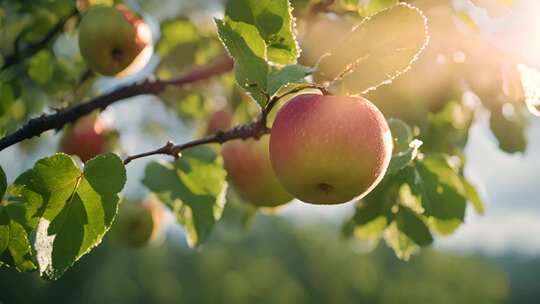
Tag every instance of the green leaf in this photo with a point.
(370, 209)
(274, 22)
(7, 98)
(41, 67)
(439, 187)
(444, 227)
(372, 229)
(413, 227)
(289, 91)
(402, 245)
(402, 134)
(256, 33)
(370, 219)
(378, 50)
(448, 129)
(403, 159)
(182, 47)
(71, 210)
(193, 187)
(373, 213)
(174, 33)
(474, 197)
(290, 74)
(248, 49)
(286, 93)
(189, 105)
(405, 148)
(409, 200)
(3, 183)
(177, 61)
(15, 247)
(509, 125)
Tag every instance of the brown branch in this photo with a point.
(33, 48)
(254, 129)
(36, 126)
(251, 130)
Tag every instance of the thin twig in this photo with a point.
(55, 121)
(250, 130)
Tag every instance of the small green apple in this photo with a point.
(329, 149)
(113, 41)
(248, 166)
(139, 223)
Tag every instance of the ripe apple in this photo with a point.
(86, 138)
(248, 166)
(139, 223)
(114, 41)
(219, 121)
(329, 149)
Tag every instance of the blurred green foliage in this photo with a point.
(273, 262)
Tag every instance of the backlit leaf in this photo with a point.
(377, 50)
(71, 209)
(194, 189)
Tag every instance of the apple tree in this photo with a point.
(367, 103)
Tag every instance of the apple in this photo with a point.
(87, 138)
(219, 121)
(139, 223)
(114, 41)
(248, 166)
(329, 149)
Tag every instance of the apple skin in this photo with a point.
(139, 223)
(113, 41)
(329, 149)
(220, 120)
(247, 163)
(86, 139)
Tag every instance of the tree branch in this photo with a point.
(55, 121)
(33, 48)
(251, 130)
(254, 129)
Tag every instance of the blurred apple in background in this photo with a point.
(139, 223)
(87, 138)
(114, 41)
(220, 120)
(248, 166)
